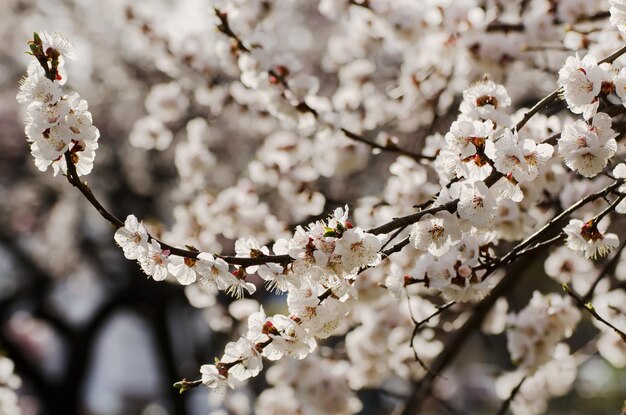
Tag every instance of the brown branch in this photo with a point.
(455, 343)
(414, 333)
(74, 179)
(515, 252)
(520, 27)
(389, 148)
(554, 95)
(280, 79)
(457, 339)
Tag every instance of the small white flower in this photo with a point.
(519, 158)
(321, 320)
(249, 247)
(588, 240)
(582, 81)
(36, 87)
(485, 101)
(535, 331)
(619, 172)
(620, 85)
(45, 115)
(59, 42)
(155, 261)
(278, 277)
(588, 148)
(132, 238)
(257, 326)
(507, 188)
(395, 281)
(52, 142)
(437, 233)
(213, 271)
(235, 285)
(565, 267)
(183, 269)
(468, 136)
(476, 204)
(358, 249)
(150, 133)
(212, 378)
(167, 102)
(248, 357)
(289, 339)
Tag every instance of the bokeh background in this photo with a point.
(88, 332)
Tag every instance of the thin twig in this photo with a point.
(416, 325)
(539, 245)
(302, 106)
(390, 148)
(592, 311)
(515, 252)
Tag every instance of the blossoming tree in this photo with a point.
(467, 169)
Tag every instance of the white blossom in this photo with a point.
(476, 203)
(59, 42)
(248, 358)
(436, 233)
(155, 261)
(212, 378)
(589, 238)
(289, 338)
(358, 249)
(486, 101)
(521, 159)
(582, 81)
(588, 148)
(132, 238)
(535, 331)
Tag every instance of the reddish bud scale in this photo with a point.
(190, 262)
(281, 71)
(487, 100)
(268, 328)
(590, 232)
(607, 88)
(407, 280)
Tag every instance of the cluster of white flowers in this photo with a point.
(587, 148)
(326, 258)
(574, 270)
(555, 378)
(313, 386)
(211, 272)
(484, 184)
(9, 382)
(56, 123)
(535, 331)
